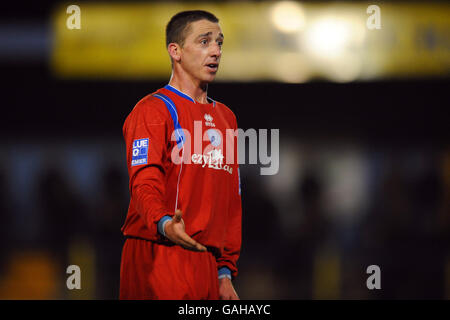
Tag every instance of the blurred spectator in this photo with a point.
(5, 224)
(261, 243)
(260, 226)
(109, 214)
(299, 255)
(63, 214)
(426, 197)
(399, 234)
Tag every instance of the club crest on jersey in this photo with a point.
(214, 137)
(208, 120)
(139, 152)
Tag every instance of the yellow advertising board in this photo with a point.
(285, 41)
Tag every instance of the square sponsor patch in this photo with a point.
(140, 152)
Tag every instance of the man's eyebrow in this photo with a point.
(204, 34)
(208, 34)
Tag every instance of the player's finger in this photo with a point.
(177, 216)
(187, 245)
(200, 247)
(191, 243)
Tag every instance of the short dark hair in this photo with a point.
(177, 27)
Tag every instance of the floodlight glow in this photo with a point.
(328, 37)
(288, 16)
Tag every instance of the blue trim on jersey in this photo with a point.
(179, 134)
(178, 92)
(213, 101)
(224, 272)
(184, 95)
(239, 178)
(161, 224)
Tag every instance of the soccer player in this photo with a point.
(183, 226)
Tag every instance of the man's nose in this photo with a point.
(216, 50)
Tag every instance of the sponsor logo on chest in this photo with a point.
(212, 159)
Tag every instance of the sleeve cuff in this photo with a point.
(224, 272)
(161, 224)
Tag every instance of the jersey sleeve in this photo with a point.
(232, 246)
(146, 133)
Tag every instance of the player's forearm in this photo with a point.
(232, 247)
(228, 262)
(149, 203)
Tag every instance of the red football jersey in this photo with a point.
(205, 186)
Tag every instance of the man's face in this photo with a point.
(202, 49)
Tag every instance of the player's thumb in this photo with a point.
(177, 216)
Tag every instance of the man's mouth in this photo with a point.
(213, 66)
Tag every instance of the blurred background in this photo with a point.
(364, 176)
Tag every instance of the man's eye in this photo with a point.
(220, 43)
(204, 41)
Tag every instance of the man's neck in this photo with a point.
(193, 89)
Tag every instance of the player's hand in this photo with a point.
(175, 232)
(226, 290)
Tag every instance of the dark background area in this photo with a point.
(392, 111)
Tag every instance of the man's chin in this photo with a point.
(209, 78)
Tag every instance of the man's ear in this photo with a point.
(174, 50)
